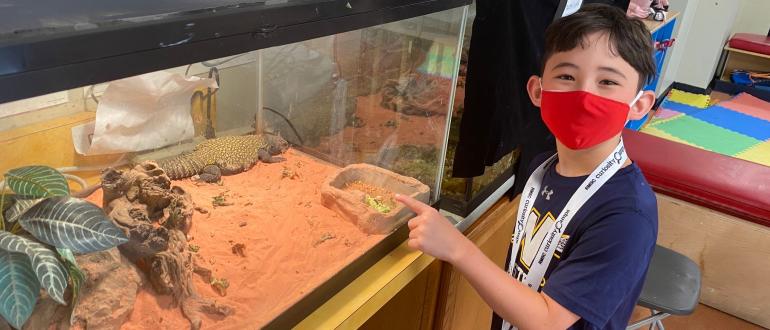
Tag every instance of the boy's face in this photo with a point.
(596, 70)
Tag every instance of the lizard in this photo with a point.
(413, 95)
(226, 155)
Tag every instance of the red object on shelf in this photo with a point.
(751, 42)
(661, 45)
(723, 183)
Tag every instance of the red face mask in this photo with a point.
(581, 120)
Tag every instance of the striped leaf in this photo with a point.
(37, 181)
(20, 205)
(72, 223)
(49, 271)
(19, 289)
(77, 277)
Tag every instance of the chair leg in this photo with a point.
(658, 324)
(653, 324)
(653, 321)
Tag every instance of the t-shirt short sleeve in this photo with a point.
(607, 263)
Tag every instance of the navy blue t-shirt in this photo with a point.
(601, 260)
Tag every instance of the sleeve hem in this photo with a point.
(565, 298)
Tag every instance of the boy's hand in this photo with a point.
(432, 233)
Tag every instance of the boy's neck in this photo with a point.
(575, 163)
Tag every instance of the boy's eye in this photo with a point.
(565, 77)
(608, 82)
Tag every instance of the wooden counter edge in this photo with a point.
(363, 297)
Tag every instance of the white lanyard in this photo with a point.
(591, 185)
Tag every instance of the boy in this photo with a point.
(587, 221)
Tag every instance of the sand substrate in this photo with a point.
(292, 244)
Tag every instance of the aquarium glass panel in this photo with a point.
(219, 194)
(380, 95)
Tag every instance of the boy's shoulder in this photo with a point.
(627, 204)
(629, 189)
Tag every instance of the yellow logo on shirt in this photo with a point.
(535, 231)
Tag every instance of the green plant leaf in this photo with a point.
(49, 271)
(19, 288)
(72, 223)
(3, 206)
(76, 276)
(20, 205)
(37, 181)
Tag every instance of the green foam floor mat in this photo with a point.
(707, 136)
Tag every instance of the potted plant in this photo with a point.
(41, 229)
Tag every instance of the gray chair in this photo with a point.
(672, 287)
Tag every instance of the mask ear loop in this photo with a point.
(638, 96)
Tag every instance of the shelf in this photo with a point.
(654, 25)
(730, 49)
(738, 59)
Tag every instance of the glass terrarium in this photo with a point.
(197, 186)
(461, 196)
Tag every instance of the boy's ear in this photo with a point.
(642, 106)
(534, 90)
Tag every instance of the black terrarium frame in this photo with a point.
(38, 59)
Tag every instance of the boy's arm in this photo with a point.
(514, 302)
(509, 298)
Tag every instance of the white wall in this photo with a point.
(703, 28)
(753, 17)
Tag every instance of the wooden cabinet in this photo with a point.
(439, 297)
(733, 254)
(459, 306)
(413, 308)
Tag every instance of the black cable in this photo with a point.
(214, 73)
(91, 93)
(287, 122)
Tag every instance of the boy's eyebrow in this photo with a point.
(565, 64)
(601, 68)
(613, 70)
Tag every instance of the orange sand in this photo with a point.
(286, 256)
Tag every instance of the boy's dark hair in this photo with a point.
(628, 38)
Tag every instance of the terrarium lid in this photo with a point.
(48, 46)
(35, 18)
